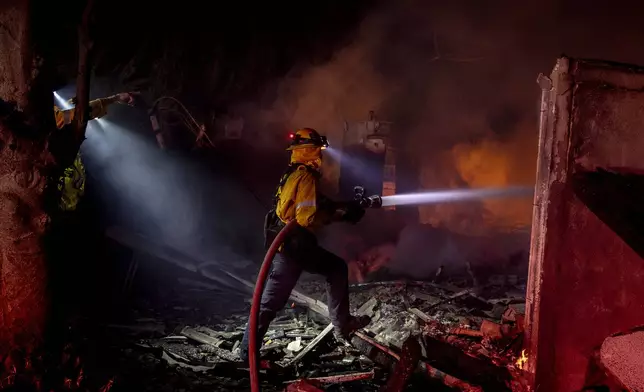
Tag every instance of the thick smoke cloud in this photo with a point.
(458, 80)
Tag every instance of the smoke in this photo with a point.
(421, 250)
(456, 78)
(172, 200)
(491, 162)
(323, 97)
(168, 199)
(458, 81)
(452, 99)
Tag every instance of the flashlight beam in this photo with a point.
(63, 104)
(458, 195)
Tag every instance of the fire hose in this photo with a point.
(374, 201)
(253, 350)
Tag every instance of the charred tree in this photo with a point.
(24, 162)
(29, 168)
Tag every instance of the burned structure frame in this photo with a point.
(585, 278)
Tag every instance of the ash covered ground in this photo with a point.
(182, 330)
(175, 324)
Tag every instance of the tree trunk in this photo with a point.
(26, 119)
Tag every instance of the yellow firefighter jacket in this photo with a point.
(72, 183)
(299, 199)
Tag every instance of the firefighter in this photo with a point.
(297, 197)
(71, 237)
(72, 183)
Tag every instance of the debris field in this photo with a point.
(447, 335)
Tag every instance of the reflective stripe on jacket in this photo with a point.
(72, 183)
(297, 199)
(97, 109)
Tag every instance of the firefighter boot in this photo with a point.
(343, 334)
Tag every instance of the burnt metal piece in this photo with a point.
(409, 359)
(427, 369)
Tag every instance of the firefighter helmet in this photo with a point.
(307, 137)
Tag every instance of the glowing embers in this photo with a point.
(52, 371)
(522, 360)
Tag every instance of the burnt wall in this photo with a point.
(585, 271)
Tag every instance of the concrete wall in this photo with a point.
(586, 282)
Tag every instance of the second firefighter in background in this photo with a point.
(72, 183)
(298, 198)
(74, 235)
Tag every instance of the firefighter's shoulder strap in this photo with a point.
(287, 173)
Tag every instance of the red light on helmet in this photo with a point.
(291, 135)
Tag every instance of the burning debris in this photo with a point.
(447, 336)
(454, 333)
(523, 359)
(421, 333)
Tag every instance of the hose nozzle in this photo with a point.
(373, 201)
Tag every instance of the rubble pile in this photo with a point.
(468, 338)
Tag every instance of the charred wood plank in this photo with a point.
(201, 337)
(339, 378)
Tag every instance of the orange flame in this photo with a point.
(521, 362)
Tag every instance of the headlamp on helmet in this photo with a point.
(307, 137)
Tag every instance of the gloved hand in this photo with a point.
(126, 98)
(353, 213)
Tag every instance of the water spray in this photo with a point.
(435, 197)
(455, 195)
